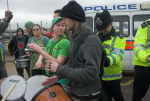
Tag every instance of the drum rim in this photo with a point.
(41, 90)
(28, 96)
(10, 77)
(22, 60)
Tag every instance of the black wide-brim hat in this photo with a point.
(103, 20)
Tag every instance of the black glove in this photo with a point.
(8, 16)
(4, 22)
(107, 62)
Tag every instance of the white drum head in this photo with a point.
(34, 84)
(19, 89)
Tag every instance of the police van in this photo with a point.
(127, 16)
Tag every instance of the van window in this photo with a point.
(121, 24)
(138, 20)
(89, 21)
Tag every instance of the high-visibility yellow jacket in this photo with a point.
(114, 48)
(1, 55)
(142, 44)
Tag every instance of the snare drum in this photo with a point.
(34, 84)
(22, 63)
(19, 90)
(53, 92)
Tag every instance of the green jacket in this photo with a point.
(114, 47)
(58, 48)
(142, 44)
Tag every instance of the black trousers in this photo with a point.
(20, 71)
(3, 72)
(141, 82)
(113, 89)
(35, 72)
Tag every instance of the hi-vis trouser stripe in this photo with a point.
(112, 76)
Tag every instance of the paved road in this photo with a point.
(11, 70)
(126, 84)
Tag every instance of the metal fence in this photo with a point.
(11, 30)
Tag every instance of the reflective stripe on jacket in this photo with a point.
(142, 45)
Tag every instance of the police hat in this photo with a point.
(102, 20)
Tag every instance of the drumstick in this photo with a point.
(9, 91)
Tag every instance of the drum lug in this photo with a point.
(52, 94)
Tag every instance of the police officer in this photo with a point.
(114, 44)
(141, 61)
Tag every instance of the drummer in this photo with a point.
(16, 46)
(42, 41)
(56, 49)
(85, 57)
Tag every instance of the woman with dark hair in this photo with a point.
(17, 46)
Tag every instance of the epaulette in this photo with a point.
(144, 24)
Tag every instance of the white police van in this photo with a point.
(127, 16)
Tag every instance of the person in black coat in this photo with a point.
(17, 47)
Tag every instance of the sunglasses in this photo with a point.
(35, 29)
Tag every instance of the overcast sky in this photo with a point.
(31, 9)
(37, 10)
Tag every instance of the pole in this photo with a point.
(7, 5)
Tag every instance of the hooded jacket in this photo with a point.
(17, 45)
